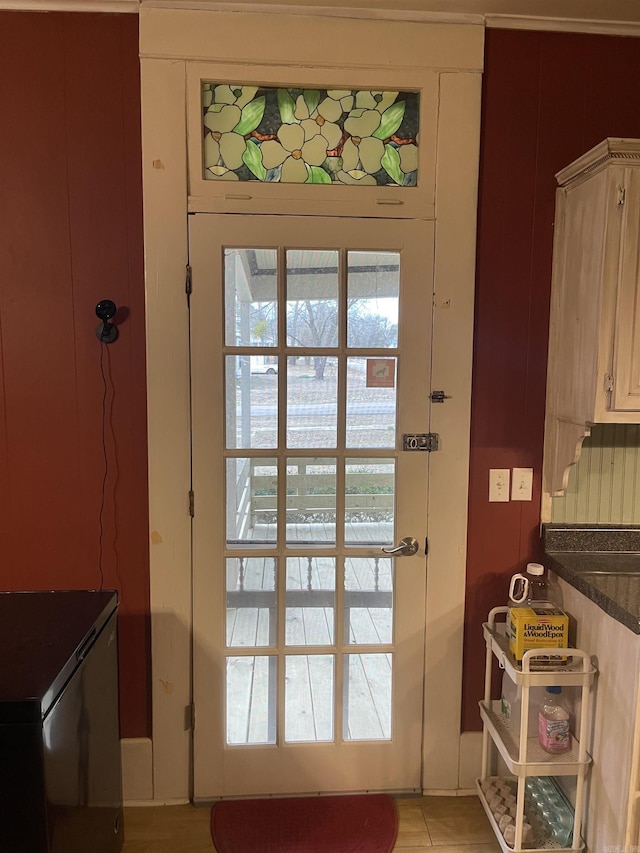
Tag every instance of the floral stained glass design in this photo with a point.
(310, 136)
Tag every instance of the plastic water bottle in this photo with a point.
(553, 722)
(548, 806)
(528, 590)
(511, 705)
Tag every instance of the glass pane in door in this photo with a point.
(367, 702)
(251, 501)
(312, 298)
(251, 601)
(312, 400)
(371, 402)
(368, 600)
(369, 500)
(250, 702)
(311, 596)
(309, 698)
(311, 499)
(251, 297)
(251, 396)
(373, 294)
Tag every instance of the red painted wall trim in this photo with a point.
(70, 235)
(547, 98)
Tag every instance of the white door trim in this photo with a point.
(339, 763)
(166, 204)
(456, 200)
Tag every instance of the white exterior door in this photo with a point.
(310, 350)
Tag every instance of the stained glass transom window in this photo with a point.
(310, 136)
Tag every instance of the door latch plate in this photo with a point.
(420, 441)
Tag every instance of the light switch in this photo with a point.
(521, 484)
(499, 485)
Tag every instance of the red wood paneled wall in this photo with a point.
(70, 235)
(547, 98)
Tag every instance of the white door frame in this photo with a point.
(170, 41)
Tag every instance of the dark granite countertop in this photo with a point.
(600, 561)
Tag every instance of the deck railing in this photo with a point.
(311, 495)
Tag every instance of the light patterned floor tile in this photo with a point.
(410, 807)
(453, 821)
(412, 818)
(443, 806)
(409, 839)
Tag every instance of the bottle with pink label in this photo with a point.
(553, 722)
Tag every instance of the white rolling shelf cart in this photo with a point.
(522, 755)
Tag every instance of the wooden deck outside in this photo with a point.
(310, 620)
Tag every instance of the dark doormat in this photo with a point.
(358, 823)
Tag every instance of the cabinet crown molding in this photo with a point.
(602, 154)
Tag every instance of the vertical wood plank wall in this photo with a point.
(71, 235)
(547, 98)
(604, 485)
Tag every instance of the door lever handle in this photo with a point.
(407, 547)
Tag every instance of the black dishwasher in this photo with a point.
(60, 767)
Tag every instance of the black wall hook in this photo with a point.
(106, 331)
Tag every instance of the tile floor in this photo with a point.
(433, 824)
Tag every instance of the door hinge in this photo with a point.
(608, 383)
(426, 546)
(187, 281)
(420, 441)
(191, 504)
(438, 397)
(190, 717)
(622, 193)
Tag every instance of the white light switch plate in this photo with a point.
(499, 485)
(521, 484)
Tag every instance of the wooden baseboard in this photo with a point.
(137, 770)
(470, 760)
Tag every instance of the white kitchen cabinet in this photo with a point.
(594, 335)
(522, 756)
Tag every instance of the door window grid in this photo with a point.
(310, 598)
(284, 503)
(363, 692)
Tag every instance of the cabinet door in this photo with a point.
(626, 389)
(576, 313)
